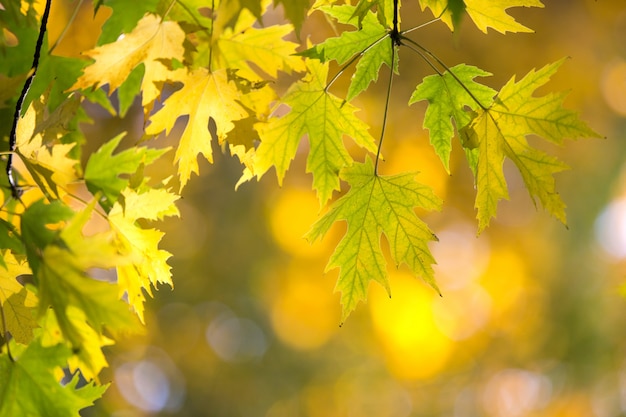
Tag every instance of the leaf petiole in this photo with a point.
(382, 131)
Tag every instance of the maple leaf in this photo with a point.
(384, 10)
(59, 260)
(89, 359)
(325, 119)
(51, 167)
(103, 169)
(204, 95)
(447, 100)
(372, 43)
(373, 206)
(484, 13)
(500, 132)
(30, 387)
(16, 301)
(152, 42)
(146, 264)
(265, 47)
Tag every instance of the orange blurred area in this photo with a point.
(530, 322)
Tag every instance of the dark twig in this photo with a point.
(15, 190)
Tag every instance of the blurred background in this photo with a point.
(531, 322)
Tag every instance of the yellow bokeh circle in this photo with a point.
(404, 324)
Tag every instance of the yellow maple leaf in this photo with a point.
(89, 358)
(152, 41)
(50, 167)
(17, 303)
(204, 95)
(484, 13)
(146, 264)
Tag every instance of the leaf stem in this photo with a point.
(382, 131)
(169, 9)
(211, 34)
(15, 190)
(420, 26)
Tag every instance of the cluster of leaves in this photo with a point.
(79, 250)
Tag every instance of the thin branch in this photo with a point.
(424, 57)
(436, 19)
(15, 191)
(382, 131)
(211, 34)
(67, 26)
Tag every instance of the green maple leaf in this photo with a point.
(325, 119)
(447, 100)
(124, 17)
(384, 10)
(29, 386)
(373, 206)
(500, 131)
(371, 42)
(103, 170)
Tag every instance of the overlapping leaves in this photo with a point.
(227, 66)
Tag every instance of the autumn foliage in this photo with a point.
(79, 230)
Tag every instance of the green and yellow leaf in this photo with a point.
(377, 205)
(30, 388)
(447, 102)
(500, 131)
(325, 119)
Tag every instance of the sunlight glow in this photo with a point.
(404, 324)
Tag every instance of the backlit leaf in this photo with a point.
(377, 205)
(151, 42)
(146, 264)
(204, 95)
(30, 388)
(501, 131)
(447, 102)
(103, 170)
(325, 119)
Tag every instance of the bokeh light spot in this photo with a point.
(516, 392)
(291, 216)
(462, 313)
(234, 339)
(304, 314)
(405, 326)
(610, 228)
(152, 384)
(614, 86)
